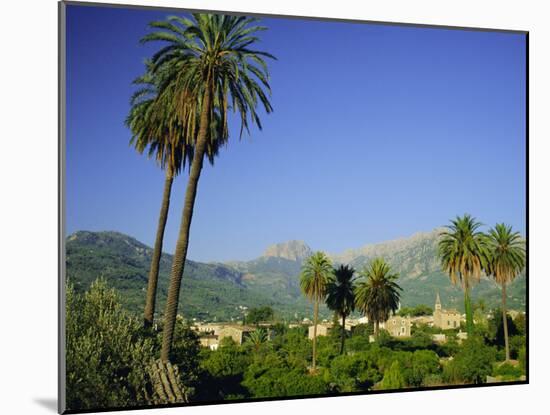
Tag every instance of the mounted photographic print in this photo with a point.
(260, 207)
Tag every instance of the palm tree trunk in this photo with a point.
(343, 333)
(376, 328)
(180, 254)
(505, 322)
(315, 317)
(157, 252)
(468, 310)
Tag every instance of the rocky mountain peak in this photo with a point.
(291, 250)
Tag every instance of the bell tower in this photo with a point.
(437, 302)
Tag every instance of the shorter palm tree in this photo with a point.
(317, 274)
(506, 261)
(256, 338)
(377, 293)
(341, 296)
(463, 253)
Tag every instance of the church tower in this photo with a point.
(437, 302)
(438, 313)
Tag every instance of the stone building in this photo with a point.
(209, 340)
(212, 334)
(398, 326)
(323, 329)
(419, 320)
(237, 333)
(445, 319)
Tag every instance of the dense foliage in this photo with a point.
(258, 315)
(419, 310)
(106, 355)
(108, 351)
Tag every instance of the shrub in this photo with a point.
(354, 372)
(273, 376)
(516, 343)
(393, 378)
(185, 354)
(223, 371)
(522, 359)
(422, 364)
(508, 372)
(106, 355)
(472, 364)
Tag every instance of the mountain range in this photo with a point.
(220, 291)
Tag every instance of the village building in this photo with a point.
(445, 319)
(398, 326)
(212, 333)
(351, 323)
(323, 329)
(419, 320)
(363, 320)
(237, 333)
(210, 341)
(439, 338)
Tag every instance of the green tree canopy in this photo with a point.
(393, 378)
(472, 364)
(463, 251)
(506, 260)
(377, 293)
(259, 314)
(341, 297)
(106, 354)
(316, 276)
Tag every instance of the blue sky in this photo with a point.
(378, 132)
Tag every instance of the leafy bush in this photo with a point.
(259, 314)
(520, 323)
(472, 364)
(522, 359)
(228, 360)
(354, 373)
(496, 328)
(423, 364)
(328, 347)
(433, 380)
(107, 357)
(419, 310)
(393, 378)
(508, 372)
(272, 375)
(421, 340)
(222, 371)
(384, 339)
(516, 343)
(185, 353)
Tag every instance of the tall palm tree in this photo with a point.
(463, 253)
(212, 67)
(377, 293)
(341, 296)
(316, 276)
(157, 131)
(506, 261)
